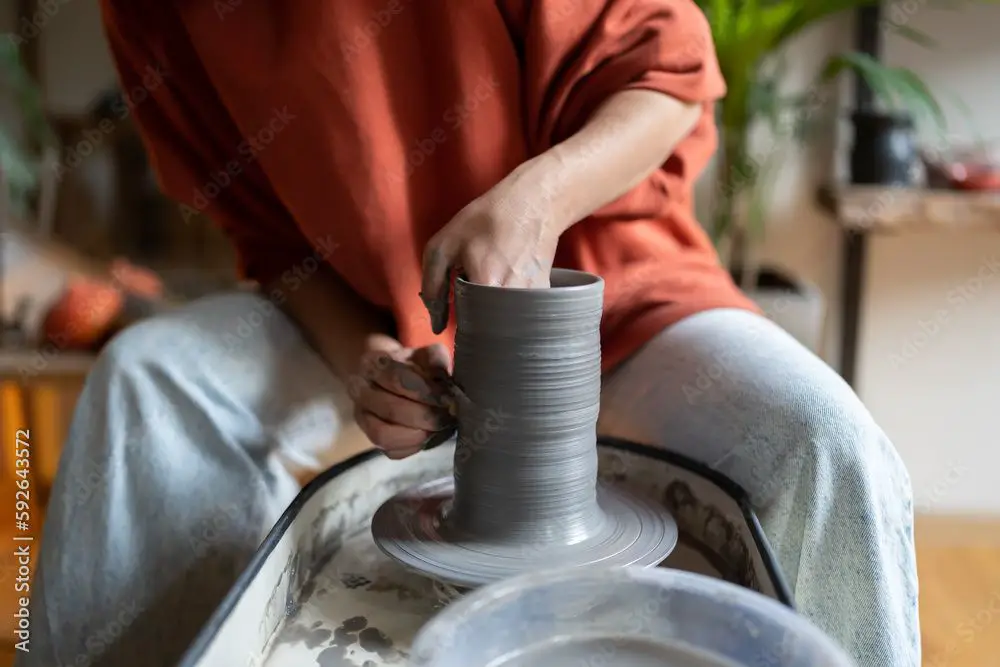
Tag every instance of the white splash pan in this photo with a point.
(319, 592)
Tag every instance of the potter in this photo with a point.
(564, 151)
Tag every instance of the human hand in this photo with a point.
(400, 395)
(505, 238)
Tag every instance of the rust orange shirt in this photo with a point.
(350, 131)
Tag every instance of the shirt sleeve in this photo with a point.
(192, 142)
(577, 54)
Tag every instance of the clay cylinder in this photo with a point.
(529, 362)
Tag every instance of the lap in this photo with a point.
(725, 387)
(736, 392)
(237, 358)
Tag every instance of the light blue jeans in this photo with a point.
(177, 464)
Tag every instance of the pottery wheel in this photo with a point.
(412, 528)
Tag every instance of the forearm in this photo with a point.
(333, 318)
(624, 142)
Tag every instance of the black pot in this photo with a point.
(885, 149)
(769, 278)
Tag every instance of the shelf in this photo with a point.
(895, 209)
(32, 366)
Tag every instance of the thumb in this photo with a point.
(435, 359)
(435, 288)
(382, 343)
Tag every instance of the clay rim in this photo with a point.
(570, 280)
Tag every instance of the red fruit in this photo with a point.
(82, 315)
(979, 181)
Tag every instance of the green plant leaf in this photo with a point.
(919, 98)
(748, 35)
(874, 73)
(22, 167)
(897, 88)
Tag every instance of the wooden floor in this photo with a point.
(959, 563)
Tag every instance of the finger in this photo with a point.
(402, 411)
(380, 361)
(398, 454)
(526, 273)
(438, 439)
(436, 284)
(405, 380)
(388, 436)
(433, 359)
(380, 350)
(383, 343)
(537, 273)
(481, 265)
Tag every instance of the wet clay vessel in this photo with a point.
(524, 494)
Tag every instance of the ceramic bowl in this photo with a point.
(631, 617)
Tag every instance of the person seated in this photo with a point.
(359, 153)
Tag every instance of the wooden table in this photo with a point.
(43, 366)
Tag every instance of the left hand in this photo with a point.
(503, 238)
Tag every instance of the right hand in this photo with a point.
(399, 398)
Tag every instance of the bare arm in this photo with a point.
(627, 139)
(336, 321)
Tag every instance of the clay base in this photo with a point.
(408, 528)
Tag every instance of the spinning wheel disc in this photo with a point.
(411, 528)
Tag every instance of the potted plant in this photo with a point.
(27, 170)
(885, 149)
(748, 39)
(27, 145)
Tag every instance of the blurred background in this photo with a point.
(856, 197)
